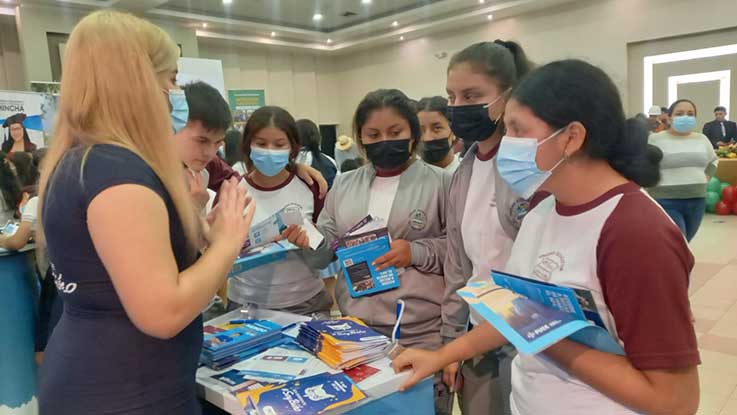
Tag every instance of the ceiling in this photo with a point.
(345, 24)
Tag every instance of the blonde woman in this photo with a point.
(122, 234)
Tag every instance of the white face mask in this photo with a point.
(517, 166)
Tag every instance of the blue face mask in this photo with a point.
(684, 123)
(269, 162)
(517, 167)
(179, 109)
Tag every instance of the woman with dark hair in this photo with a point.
(311, 155)
(17, 139)
(688, 162)
(270, 145)
(10, 190)
(26, 171)
(617, 243)
(233, 152)
(411, 196)
(437, 138)
(484, 214)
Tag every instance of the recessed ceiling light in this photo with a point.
(365, 1)
(330, 40)
(317, 17)
(401, 37)
(273, 34)
(395, 23)
(204, 25)
(489, 17)
(227, 1)
(482, 1)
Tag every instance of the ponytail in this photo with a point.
(503, 61)
(521, 62)
(567, 91)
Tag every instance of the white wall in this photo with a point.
(11, 63)
(304, 84)
(595, 30)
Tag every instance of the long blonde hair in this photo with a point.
(110, 95)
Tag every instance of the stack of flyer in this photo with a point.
(357, 249)
(342, 343)
(312, 395)
(237, 340)
(264, 245)
(533, 315)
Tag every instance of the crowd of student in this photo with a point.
(552, 167)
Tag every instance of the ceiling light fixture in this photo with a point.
(401, 37)
(204, 25)
(227, 1)
(317, 17)
(489, 17)
(273, 34)
(482, 1)
(330, 40)
(395, 23)
(365, 1)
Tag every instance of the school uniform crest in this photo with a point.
(418, 220)
(517, 211)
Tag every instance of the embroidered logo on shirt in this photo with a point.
(418, 220)
(547, 264)
(66, 288)
(518, 211)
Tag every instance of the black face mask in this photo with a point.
(471, 122)
(436, 150)
(388, 154)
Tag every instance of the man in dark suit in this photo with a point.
(720, 131)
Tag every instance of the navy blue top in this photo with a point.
(97, 361)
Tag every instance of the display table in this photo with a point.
(17, 325)
(381, 389)
(727, 171)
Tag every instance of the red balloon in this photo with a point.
(729, 194)
(734, 208)
(723, 208)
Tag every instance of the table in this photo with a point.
(381, 389)
(17, 325)
(727, 170)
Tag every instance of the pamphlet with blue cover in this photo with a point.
(342, 343)
(238, 340)
(533, 315)
(313, 395)
(262, 255)
(360, 274)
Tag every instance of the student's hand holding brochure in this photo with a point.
(534, 315)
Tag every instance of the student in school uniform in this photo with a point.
(437, 138)
(484, 214)
(610, 238)
(270, 146)
(411, 196)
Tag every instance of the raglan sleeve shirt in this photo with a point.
(643, 263)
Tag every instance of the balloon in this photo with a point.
(723, 208)
(714, 185)
(712, 198)
(722, 186)
(729, 194)
(734, 208)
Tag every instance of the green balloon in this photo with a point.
(722, 186)
(714, 185)
(712, 198)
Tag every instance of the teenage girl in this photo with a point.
(437, 138)
(411, 196)
(566, 131)
(270, 146)
(484, 214)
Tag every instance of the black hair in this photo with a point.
(25, 169)
(278, 118)
(38, 157)
(720, 108)
(673, 106)
(664, 110)
(572, 90)
(309, 134)
(233, 152)
(503, 61)
(387, 98)
(434, 104)
(9, 184)
(351, 164)
(8, 142)
(207, 106)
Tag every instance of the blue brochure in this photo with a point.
(360, 275)
(313, 395)
(534, 315)
(262, 255)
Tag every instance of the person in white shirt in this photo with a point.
(270, 145)
(607, 236)
(437, 138)
(10, 190)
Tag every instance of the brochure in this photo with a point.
(534, 315)
(271, 228)
(276, 365)
(342, 343)
(9, 229)
(360, 275)
(313, 395)
(238, 340)
(262, 255)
